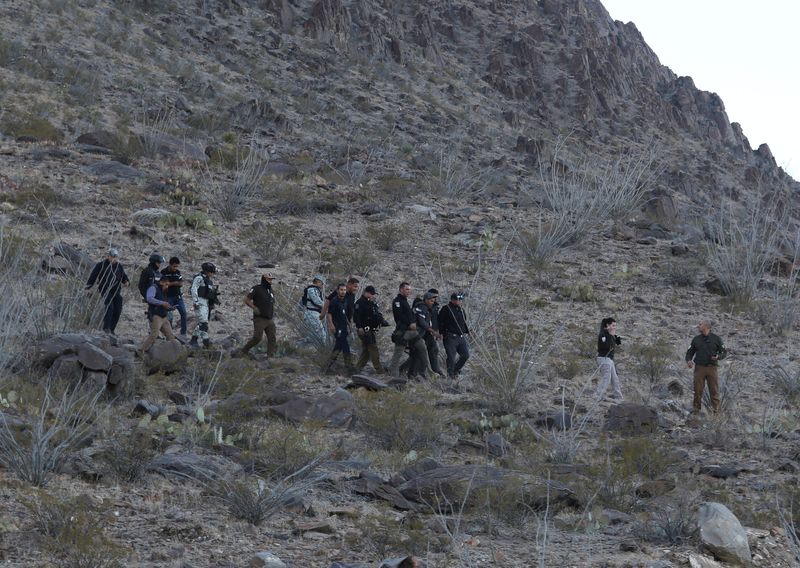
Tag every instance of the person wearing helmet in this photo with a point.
(110, 277)
(149, 274)
(204, 297)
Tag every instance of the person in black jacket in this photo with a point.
(368, 319)
(172, 274)
(453, 327)
(110, 277)
(704, 353)
(261, 300)
(607, 342)
(423, 311)
(339, 325)
(405, 335)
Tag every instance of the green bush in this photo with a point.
(400, 421)
(386, 236)
(31, 125)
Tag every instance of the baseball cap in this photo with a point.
(428, 296)
(370, 289)
(269, 276)
(320, 278)
(456, 296)
(113, 252)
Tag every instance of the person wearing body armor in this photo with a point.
(405, 335)
(368, 319)
(172, 274)
(204, 298)
(453, 327)
(423, 311)
(312, 304)
(261, 300)
(339, 327)
(149, 274)
(110, 278)
(157, 309)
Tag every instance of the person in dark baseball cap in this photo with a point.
(371, 290)
(368, 319)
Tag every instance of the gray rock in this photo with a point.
(401, 562)
(369, 383)
(194, 466)
(94, 358)
(111, 171)
(497, 445)
(146, 407)
(721, 471)
(168, 146)
(723, 534)
(67, 368)
(100, 139)
(697, 561)
(266, 560)
(165, 356)
(631, 419)
(98, 379)
(554, 419)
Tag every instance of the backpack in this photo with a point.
(304, 300)
(145, 280)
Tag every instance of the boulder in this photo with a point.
(554, 420)
(94, 358)
(100, 139)
(400, 562)
(191, 465)
(336, 409)
(497, 445)
(699, 561)
(369, 383)
(98, 379)
(67, 368)
(722, 534)
(111, 171)
(266, 560)
(165, 356)
(628, 418)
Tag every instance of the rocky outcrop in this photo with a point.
(723, 534)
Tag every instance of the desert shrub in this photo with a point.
(507, 364)
(578, 292)
(785, 379)
(73, 532)
(127, 456)
(36, 194)
(386, 236)
(679, 273)
(197, 220)
(611, 484)
(61, 424)
(356, 258)
(229, 198)
(400, 421)
(289, 199)
(744, 245)
(643, 456)
(672, 523)
(283, 448)
(395, 190)
(566, 367)
(652, 359)
(26, 124)
(272, 241)
(252, 499)
(451, 176)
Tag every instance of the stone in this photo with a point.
(373, 485)
(655, 488)
(150, 216)
(67, 368)
(721, 471)
(400, 562)
(554, 420)
(165, 356)
(266, 560)
(146, 407)
(110, 171)
(170, 146)
(99, 138)
(722, 534)
(369, 383)
(324, 527)
(698, 561)
(94, 358)
(497, 445)
(628, 418)
(98, 379)
(679, 249)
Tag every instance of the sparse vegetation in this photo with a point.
(400, 421)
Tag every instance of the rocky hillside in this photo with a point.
(534, 155)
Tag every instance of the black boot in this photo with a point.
(206, 343)
(193, 342)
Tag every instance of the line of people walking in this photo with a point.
(419, 326)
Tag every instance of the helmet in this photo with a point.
(208, 267)
(155, 257)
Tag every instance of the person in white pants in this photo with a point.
(607, 342)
